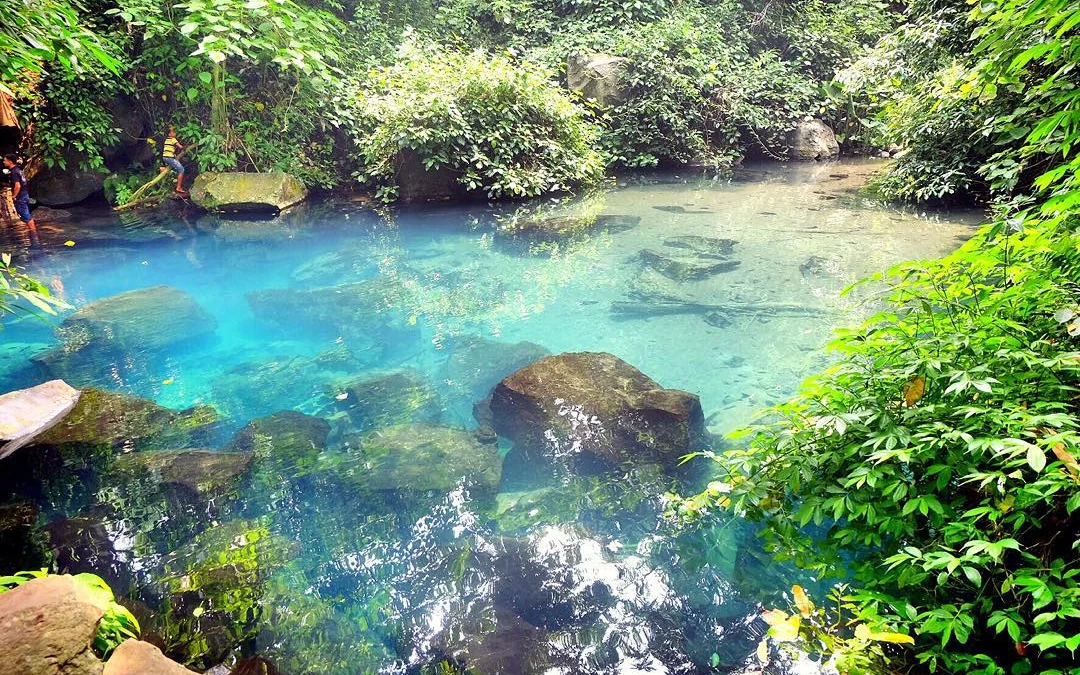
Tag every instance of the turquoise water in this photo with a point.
(573, 574)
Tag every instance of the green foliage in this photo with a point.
(19, 292)
(503, 127)
(36, 34)
(935, 464)
(68, 114)
(116, 625)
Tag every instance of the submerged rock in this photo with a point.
(599, 77)
(350, 263)
(703, 246)
(364, 307)
(476, 364)
(685, 268)
(596, 409)
(288, 440)
(387, 399)
(130, 326)
(256, 388)
(247, 192)
(416, 458)
(84, 544)
(524, 234)
(47, 627)
(207, 473)
(114, 421)
(813, 139)
(22, 543)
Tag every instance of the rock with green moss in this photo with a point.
(386, 399)
(594, 411)
(288, 441)
(208, 474)
(235, 192)
(417, 458)
(129, 327)
(103, 419)
(214, 588)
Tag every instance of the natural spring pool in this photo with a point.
(364, 321)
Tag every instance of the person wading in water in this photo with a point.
(169, 149)
(21, 198)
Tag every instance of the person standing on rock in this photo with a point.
(21, 197)
(169, 149)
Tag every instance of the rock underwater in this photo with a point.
(131, 326)
(595, 410)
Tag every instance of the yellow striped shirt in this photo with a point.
(169, 150)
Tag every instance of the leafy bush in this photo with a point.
(935, 465)
(117, 624)
(503, 126)
(18, 290)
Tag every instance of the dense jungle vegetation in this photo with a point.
(934, 468)
(333, 91)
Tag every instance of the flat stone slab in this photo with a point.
(28, 412)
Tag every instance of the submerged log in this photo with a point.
(670, 306)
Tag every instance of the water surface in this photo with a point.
(313, 568)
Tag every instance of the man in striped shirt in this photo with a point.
(168, 155)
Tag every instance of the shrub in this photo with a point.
(504, 126)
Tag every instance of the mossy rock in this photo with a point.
(594, 411)
(418, 458)
(235, 192)
(389, 399)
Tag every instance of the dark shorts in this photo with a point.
(173, 163)
(22, 207)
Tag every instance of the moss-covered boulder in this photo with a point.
(117, 421)
(131, 326)
(206, 473)
(595, 410)
(247, 192)
(387, 399)
(417, 458)
(287, 441)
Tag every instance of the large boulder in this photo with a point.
(124, 328)
(599, 77)
(813, 139)
(286, 443)
(208, 474)
(118, 421)
(476, 365)
(47, 626)
(368, 308)
(247, 192)
(135, 657)
(387, 399)
(595, 410)
(417, 458)
(70, 184)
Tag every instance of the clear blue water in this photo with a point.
(576, 575)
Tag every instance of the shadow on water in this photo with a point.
(286, 448)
